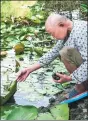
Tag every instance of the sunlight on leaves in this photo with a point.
(60, 112)
(23, 113)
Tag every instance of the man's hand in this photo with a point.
(63, 78)
(23, 75)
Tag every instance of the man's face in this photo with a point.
(58, 31)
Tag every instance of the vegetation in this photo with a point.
(22, 29)
(66, 7)
(31, 113)
(17, 8)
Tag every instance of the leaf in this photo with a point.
(84, 5)
(60, 112)
(45, 116)
(66, 84)
(23, 113)
(52, 90)
(39, 50)
(6, 110)
(3, 25)
(12, 43)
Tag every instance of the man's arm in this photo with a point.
(34, 67)
(52, 54)
(44, 60)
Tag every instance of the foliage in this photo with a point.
(66, 7)
(16, 8)
(37, 13)
(23, 12)
(23, 113)
(4, 97)
(58, 6)
(6, 110)
(58, 112)
(30, 36)
(14, 112)
(84, 10)
(84, 7)
(30, 31)
(36, 42)
(45, 116)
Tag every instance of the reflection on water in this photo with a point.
(20, 100)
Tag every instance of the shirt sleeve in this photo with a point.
(81, 74)
(51, 55)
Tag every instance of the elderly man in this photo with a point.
(71, 48)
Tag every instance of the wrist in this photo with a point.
(69, 78)
(34, 67)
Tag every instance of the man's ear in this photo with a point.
(61, 24)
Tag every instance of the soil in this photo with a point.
(79, 110)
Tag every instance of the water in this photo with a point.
(20, 100)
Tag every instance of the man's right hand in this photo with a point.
(23, 75)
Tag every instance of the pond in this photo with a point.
(38, 90)
(38, 94)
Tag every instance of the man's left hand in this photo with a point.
(63, 78)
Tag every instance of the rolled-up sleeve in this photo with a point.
(51, 55)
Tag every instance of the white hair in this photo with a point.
(54, 19)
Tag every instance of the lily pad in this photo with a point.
(45, 116)
(23, 113)
(60, 112)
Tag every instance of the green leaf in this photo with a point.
(45, 116)
(23, 113)
(60, 112)
(66, 84)
(6, 110)
(84, 5)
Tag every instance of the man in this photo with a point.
(71, 49)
